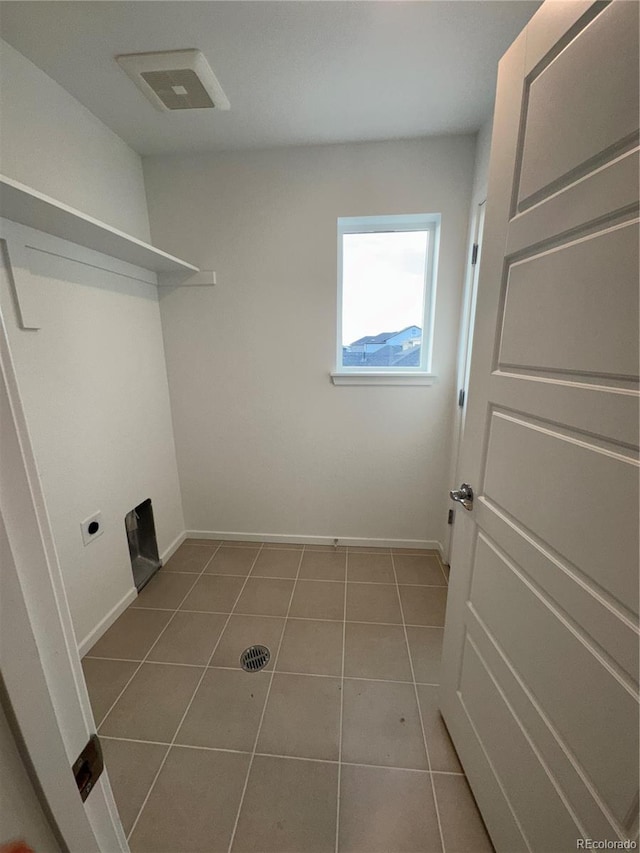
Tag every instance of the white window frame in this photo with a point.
(421, 374)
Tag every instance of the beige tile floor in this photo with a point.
(337, 745)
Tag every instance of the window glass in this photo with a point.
(385, 292)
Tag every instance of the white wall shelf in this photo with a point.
(27, 206)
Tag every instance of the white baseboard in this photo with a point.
(171, 550)
(104, 624)
(359, 542)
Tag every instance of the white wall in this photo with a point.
(94, 388)
(265, 443)
(481, 168)
(93, 379)
(50, 142)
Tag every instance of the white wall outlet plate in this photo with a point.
(91, 527)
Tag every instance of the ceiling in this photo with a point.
(295, 72)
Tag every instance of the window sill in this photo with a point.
(383, 378)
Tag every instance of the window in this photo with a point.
(386, 290)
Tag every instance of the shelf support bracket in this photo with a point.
(23, 294)
(204, 278)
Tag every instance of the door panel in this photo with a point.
(589, 286)
(496, 725)
(568, 401)
(561, 484)
(540, 659)
(610, 191)
(561, 134)
(539, 651)
(573, 785)
(612, 632)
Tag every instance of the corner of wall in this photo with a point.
(106, 622)
(481, 167)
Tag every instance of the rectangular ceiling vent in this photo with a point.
(175, 80)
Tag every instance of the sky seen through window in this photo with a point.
(383, 282)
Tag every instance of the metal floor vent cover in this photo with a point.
(255, 658)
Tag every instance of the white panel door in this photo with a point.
(540, 661)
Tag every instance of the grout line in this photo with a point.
(384, 767)
(297, 758)
(271, 616)
(415, 690)
(317, 547)
(134, 740)
(158, 662)
(209, 748)
(404, 769)
(336, 676)
(120, 660)
(144, 659)
(286, 757)
(193, 695)
(165, 571)
(344, 631)
(346, 677)
(264, 707)
(290, 578)
(279, 671)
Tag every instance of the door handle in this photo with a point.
(463, 495)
